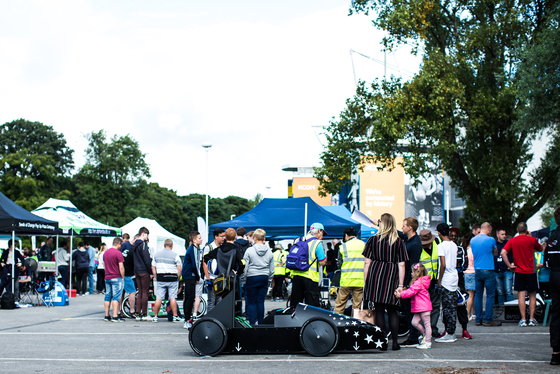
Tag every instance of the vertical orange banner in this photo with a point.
(382, 192)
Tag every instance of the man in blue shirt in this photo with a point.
(484, 250)
(91, 252)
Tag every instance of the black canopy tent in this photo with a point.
(16, 220)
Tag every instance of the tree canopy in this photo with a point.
(462, 112)
(111, 187)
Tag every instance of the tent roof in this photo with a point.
(70, 219)
(284, 219)
(342, 211)
(15, 218)
(156, 231)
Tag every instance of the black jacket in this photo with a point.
(142, 259)
(223, 254)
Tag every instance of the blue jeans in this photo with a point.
(90, 279)
(113, 289)
(484, 279)
(504, 284)
(256, 289)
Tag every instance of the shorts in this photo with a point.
(170, 287)
(525, 282)
(129, 286)
(470, 284)
(113, 289)
(199, 288)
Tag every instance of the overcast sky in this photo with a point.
(257, 79)
(250, 77)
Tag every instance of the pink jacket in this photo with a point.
(420, 296)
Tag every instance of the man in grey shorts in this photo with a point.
(166, 268)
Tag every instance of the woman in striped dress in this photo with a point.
(385, 256)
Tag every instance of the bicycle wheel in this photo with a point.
(201, 308)
(125, 307)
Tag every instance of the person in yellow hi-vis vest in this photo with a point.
(279, 257)
(429, 258)
(305, 283)
(351, 263)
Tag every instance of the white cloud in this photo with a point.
(252, 87)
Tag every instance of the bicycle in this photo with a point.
(165, 306)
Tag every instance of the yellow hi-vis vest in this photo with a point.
(431, 264)
(279, 263)
(313, 271)
(352, 268)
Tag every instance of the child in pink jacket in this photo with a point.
(421, 305)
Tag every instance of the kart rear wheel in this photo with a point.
(208, 337)
(318, 336)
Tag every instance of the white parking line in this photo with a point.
(94, 333)
(287, 359)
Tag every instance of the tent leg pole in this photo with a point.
(305, 221)
(13, 262)
(70, 275)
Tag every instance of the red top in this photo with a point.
(111, 258)
(523, 249)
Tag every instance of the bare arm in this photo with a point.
(441, 270)
(179, 268)
(205, 268)
(154, 272)
(367, 264)
(506, 260)
(121, 269)
(402, 269)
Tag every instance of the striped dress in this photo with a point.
(383, 275)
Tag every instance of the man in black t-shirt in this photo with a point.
(414, 249)
(129, 286)
(552, 262)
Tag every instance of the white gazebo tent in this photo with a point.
(158, 235)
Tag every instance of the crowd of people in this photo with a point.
(395, 271)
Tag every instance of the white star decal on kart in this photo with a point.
(345, 330)
(363, 322)
(354, 323)
(377, 329)
(369, 338)
(378, 344)
(356, 334)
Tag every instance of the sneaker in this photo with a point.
(555, 360)
(466, 335)
(522, 323)
(447, 338)
(436, 335)
(492, 323)
(532, 322)
(87, 293)
(155, 319)
(138, 317)
(472, 318)
(478, 323)
(146, 318)
(409, 344)
(84, 294)
(178, 319)
(425, 345)
(118, 319)
(107, 319)
(279, 299)
(187, 324)
(422, 339)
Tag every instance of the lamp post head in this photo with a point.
(206, 145)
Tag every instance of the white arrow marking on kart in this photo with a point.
(355, 346)
(238, 347)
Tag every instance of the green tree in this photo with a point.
(35, 163)
(460, 113)
(118, 161)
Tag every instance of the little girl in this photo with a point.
(421, 304)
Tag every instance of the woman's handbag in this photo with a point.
(364, 314)
(223, 283)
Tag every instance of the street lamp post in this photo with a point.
(207, 146)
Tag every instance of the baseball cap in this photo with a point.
(318, 226)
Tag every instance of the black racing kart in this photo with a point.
(307, 328)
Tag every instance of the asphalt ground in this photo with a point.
(75, 339)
